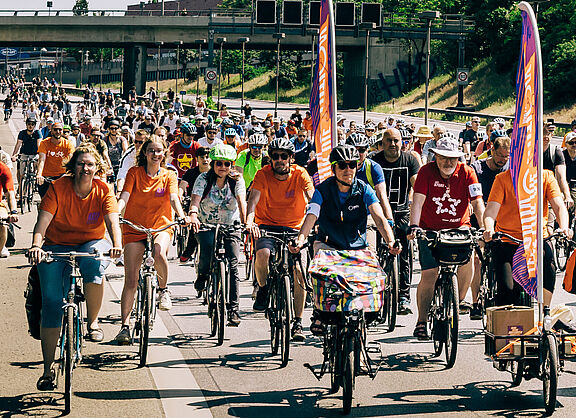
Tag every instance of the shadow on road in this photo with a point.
(33, 405)
(111, 361)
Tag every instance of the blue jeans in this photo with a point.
(55, 278)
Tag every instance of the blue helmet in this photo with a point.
(188, 129)
(230, 132)
(497, 133)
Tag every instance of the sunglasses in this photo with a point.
(571, 143)
(276, 156)
(138, 142)
(113, 127)
(369, 130)
(57, 129)
(301, 136)
(226, 164)
(362, 149)
(211, 132)
(256, 146)
(343, 165)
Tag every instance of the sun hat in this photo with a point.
(424, 132)
(447, 146)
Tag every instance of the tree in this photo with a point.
(80, 8)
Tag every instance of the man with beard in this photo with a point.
(443, 191)
(52, 152)
(278, 198)
(400, 169)
(182, 152)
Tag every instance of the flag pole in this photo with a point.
(333, 70)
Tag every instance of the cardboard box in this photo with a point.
(509, 320)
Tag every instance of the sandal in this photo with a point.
(46, 383)
(317, 327)
(95, 334)
(421, 331)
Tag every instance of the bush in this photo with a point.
(561, 73)
(210, 103)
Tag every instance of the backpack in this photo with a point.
(368, 163)
(33, 303)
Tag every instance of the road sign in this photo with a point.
(8, 52)
(182, 92)
(211, 76)
(462, 76)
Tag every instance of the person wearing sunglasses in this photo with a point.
(116, 143)
(211, 139)
(128, 160)
(305, 151)
(183, 151)
(52, 152)
(249, 161)
(277, 202)
(218, 198)
(26, 146)
(570, 159)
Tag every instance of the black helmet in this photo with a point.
(344, 153)
(497, 133)
(114, 122)
(30, 120)
(211, 127)
(282, 144)
(358, 140)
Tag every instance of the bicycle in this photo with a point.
(389, 263)
(182, 233)
(145, 303)
(27, 183)
(217, 288)
(72, 332)
(451, 248)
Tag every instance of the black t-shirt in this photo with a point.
(570, 170)
(29, 142)
(247, 111)
(470, 136)
(302, 154)
(8, 103)
(190, 177)
(486, 176)
(551, 163)
(150, 128)
(398, 175)
(297, 118)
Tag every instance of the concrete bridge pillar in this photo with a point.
(134, 69)
(353, 94)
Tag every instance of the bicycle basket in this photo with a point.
(453, 247)
(347, 280)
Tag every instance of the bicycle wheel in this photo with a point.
(221, 301)
(69, 354)
(29, 197)
(451, 316)
(436, 322)
(212, 291)
(146, 306)
(348, 373)
(561, 254)
(181, 240)
(550, 372)
(517, 370)
(273, 315)
(22, 197)
(334, 347)
(285, 318)
(392, 294)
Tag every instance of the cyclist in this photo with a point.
(423, 134)
(210, 139)
(400, 169)
(8, 207)
(219, 198)
(117, 145)
(73, 216)
(486, 171)
(305, 151)
(183, 151)
(26, 147)
(249, 161)
(149, 196)
(52, 152)
(231, 138)
(8, 103)
(553, 160)
(443, 192)
(502, 209)
(129, 158)
(570, 159)
(277, 202)
(471, 137)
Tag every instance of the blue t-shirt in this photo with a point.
(369, 197)
(375, 170)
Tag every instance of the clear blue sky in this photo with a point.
(67, 4)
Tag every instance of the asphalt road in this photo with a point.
(188, 375)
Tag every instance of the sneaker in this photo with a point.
(200, 284)
(4, 253)
(261, 302)
(124, 337)
(233, 318)
(465, 307)
(184, 259)
(120, 261)
(164, 301)
(297, 331)
(404, 307)
(475, 312)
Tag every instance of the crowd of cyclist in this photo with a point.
(149, 163)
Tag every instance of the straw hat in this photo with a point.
(424, 132)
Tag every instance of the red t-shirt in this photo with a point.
(5, 179)
(184, 158)
(447, 200)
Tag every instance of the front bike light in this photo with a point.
(149, 261)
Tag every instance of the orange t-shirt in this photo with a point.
(282, 203)
(56, 155)
(76, 220)
(508, 219)
(149, 202)
(307, 124)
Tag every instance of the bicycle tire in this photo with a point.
(392, 294)
(220, 301)
(348, 373)
(550, 373)
(517, 371)
(561, 254)
(437, 329)
(334, 347)
(28, 195)
(212, 291)
(451, 310)
(146, 306)
(285, 317)
(69, 353)
(273, 317)
(22, 197)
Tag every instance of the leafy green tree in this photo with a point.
(80, 8)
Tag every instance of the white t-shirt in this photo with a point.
(204, 142)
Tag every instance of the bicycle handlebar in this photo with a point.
(6, 221)
(145, 230)
(50, 256)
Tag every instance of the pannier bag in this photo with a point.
(347, 280)
(452, 247)
(33, 303)
(569, 283)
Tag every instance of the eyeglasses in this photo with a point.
(343, 165)
(276, 156)
(362, 149)
(226, 164)
(138, 142)
(571, 143)
(256, 146)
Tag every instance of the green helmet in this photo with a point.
(222, 152)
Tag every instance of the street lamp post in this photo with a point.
(313, 33)
(81, 67)
(101, 66)
(61, 64)
(221, 42)
(199, 42)
(243, 41)
(367, 26)
(178, 43)
(42, 50)
(278, 36)
(158, 62)
(428, 16)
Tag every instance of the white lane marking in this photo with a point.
(172, 380)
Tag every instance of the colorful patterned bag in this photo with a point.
(355, 274)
